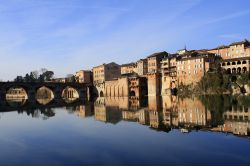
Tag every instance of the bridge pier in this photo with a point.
(82, 93)
(57, 94)
(2, 97)
(31, 92)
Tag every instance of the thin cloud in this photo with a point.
(219, 19)
(228, 17)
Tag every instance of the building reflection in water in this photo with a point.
(226, 114)
(171, 112)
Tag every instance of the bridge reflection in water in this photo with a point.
(227, 114)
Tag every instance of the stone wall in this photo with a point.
(154, 84)
(117, 88)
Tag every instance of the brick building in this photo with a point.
(102, 73)
(128, 68)
(154, 62)
(84, 76)
(142, 67)
(192, 66)
(236, 56)
(169, 73)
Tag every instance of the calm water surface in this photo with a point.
(210, 130)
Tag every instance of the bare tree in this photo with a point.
(43, 70)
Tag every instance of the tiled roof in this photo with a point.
(220, 47)
(142, 60)
(194, 54)
(245, 41)
(128, 64)
(158, 54)
(170, 56)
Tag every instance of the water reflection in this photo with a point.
(227, 114)
(16, 102)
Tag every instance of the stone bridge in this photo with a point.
(32, 87)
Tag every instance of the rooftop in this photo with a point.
(245, 41)
(194, 54)
(104, 64)
(158, 54)
(128, 64)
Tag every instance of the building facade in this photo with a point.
(192, 66)
(142, 67)
(84, 76)
(169, 74)
(234, 50)
(102, 73)
(116, 88)
(138, 87)
(128, 68)
(154, 62)
(235, 57)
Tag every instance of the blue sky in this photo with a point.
(69, 35)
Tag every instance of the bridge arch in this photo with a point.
(238, 70)
(132, 93)
(244, 69)
(101, 94)
(16, 92)
(70, 92)
(32, 88)
(234, 70)
(44, 92)
(44, 95)
(228, 71)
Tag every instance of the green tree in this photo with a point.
(27, 78)
(19, 79)
(32, 77)
(243, 79)
(41, 78)
(48, 75)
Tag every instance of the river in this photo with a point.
(208, 130)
